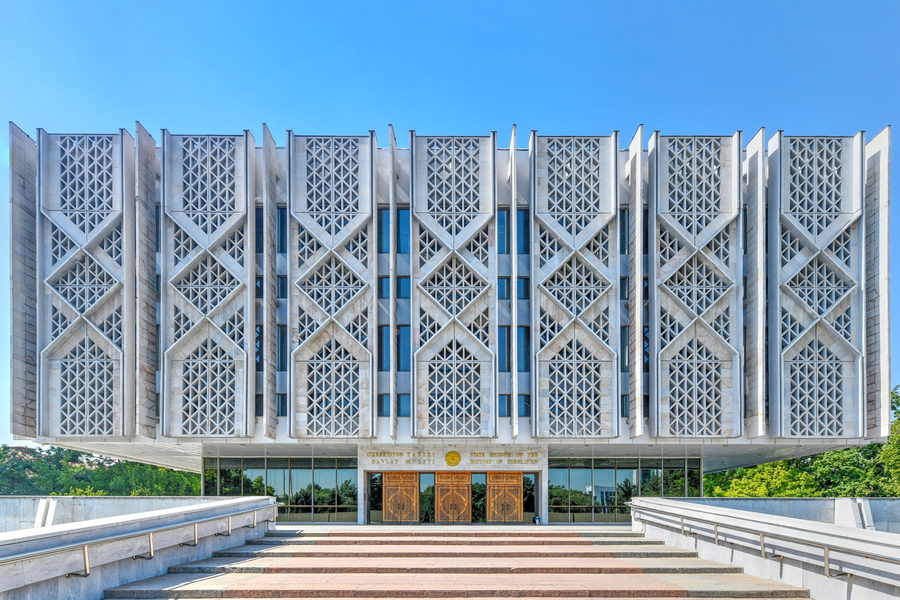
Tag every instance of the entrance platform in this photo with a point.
(454, 562)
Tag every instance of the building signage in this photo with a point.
(462, 458)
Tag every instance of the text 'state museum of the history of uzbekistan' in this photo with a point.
(440, 329)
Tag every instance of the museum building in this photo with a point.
(445, 330)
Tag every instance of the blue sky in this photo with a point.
(808, 67)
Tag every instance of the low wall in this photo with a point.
(34, 562)
(776, 547)
(24, 512)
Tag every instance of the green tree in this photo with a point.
(777, 479)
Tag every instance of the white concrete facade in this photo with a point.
(214, 297)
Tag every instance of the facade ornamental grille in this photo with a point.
(453, 181)
(816, 383)
(815, 182)
(694, 181)
(208, 180)
(576, 393)
(332, 178)
(86, 390)
(454, 392)
(333, 392)
(209, 380)
(83, 283)
(206, 284)
(575, 285)
(454, 285)
(695, 387)
(574, 189)
(86, 179)
(332, 285)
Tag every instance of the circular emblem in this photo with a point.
(452, 458)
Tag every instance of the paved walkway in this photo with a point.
(454, 562)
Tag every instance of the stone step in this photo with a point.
(553, 532)
(459, 564)
(414, 550)
(453, 585)
(450, 541)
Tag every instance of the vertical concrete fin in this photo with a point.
(876, 205)
(637, 178)
(23, 269)
(754, 188)
(271, 198)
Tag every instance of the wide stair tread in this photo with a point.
(484, 563)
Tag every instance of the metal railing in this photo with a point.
(149, 534)
(827, 549)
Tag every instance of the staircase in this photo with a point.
(454, 562)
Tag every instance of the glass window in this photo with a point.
(301, 490)
(403, 287)
(278, 478)
(384, 288)
(375, 498)
(694, 477)
(504, 402)
(580, 483)
(403, 405)
(158, 227)
(523, 231)
(259, 405)
(259, 230)
(281, 405)
(403, 236)
(281, 340)
(230, 477)
(523, 288)
(325, 486)
(626, 480)
(558, 493)
(604, 483)
(524, 348)
(426, 497)
(281, 283)
(651, 477)
(503, 231)
(384, 347)
(211, 477)
(259, 347)
(479, 496)
(281, 229)
(404, 347)
(503, 348)
(623, 231)
(623, 350)
(259, 287)
(503, 288)
(674, 478)
(524, 405)
(384, 405)
(384, 230)
(529, 510)
(255, 477)
(346, 489)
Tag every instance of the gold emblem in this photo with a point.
(452, 458)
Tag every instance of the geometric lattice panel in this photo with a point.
(332, 181)
(208, 180)
(574, 191)
(816, 408)
(209, 395)
(814, 199)
(83, 282)
(332, 284)
(695, 388)
(819, 285)
(86, 390)
(694, 181)
(206, 284)
(453, 285)
(86, 179)
(453, 181)
(697, 285)
(575, 285)
(333, 392)
(454, 392)
(578, 395)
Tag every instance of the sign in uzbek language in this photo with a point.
(463, 458)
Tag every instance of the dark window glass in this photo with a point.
(503, 288)
(646, 346)
(503, 348)
(158, 227)
(623, 349)
(403, 405)
(523, 231)
(281, 284)
(281, 405)
(281, 229)
(259, 287)
(259, 230)
(384, 405)
(230, 477)
(255, 477)
(623, 288)
(503, 231)
(384, 288)
(384, 348)
(259, 405)
(259, 347)
(646, 231)
(523, 288)
(404, 347)
(623, 231)
(375, 499)
(524, 405)
(426, 497)
(403, 231)
(504, 405)
(528, 504)
(210, 477)
(384, 230)
(524, 349)
(479, 494)
(281, 342)
(403, 287)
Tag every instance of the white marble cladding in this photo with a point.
(703, 220)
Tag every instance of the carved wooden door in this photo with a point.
(400, 497)
(504, 497)
(453, 497)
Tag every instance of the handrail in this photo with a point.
(149, 533)
(826, 548)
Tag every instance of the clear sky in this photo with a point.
(460, 67)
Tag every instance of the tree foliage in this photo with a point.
(45, 471)
(872, 470)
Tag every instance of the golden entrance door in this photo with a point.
(504, 497)
(400, 497)
(453, 497)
